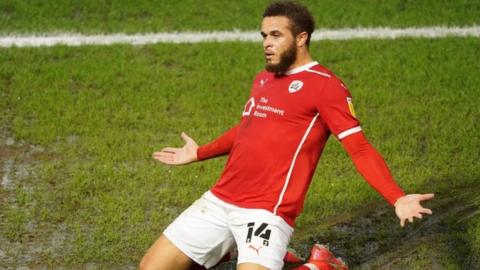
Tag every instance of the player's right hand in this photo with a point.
(178, 156)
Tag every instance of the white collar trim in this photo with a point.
(301, 68)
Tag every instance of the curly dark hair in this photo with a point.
(300, 18)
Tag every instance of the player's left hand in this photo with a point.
(408, 207)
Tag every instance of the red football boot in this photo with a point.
(321, 258)
(292, 257)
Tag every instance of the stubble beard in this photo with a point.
(287, 58)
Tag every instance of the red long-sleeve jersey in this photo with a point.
(274, 150)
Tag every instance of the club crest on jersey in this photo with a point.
(295, 86)
(350, 106)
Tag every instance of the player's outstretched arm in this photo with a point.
(373, 168)
(178, 156)
(408, 207)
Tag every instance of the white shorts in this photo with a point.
(210, 228)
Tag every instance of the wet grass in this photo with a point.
(369, 238)
(99, 112)
(22, 16)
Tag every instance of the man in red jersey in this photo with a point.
(294, 106)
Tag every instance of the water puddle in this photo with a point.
(372, 238)
(18, 162)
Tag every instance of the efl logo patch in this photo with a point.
(350, 107)
(295, 86)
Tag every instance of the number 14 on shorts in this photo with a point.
(261, 231)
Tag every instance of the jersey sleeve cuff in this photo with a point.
(397, 196)
(201, 155)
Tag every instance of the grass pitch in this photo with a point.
(90, 16)
(78, 125)
(82, 124)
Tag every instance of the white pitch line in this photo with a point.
(392, 33)
(76, 39)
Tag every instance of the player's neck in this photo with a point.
(303, 58)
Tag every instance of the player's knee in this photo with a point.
(251, 266)
(143, 264)
(158, 262)
(149, 263)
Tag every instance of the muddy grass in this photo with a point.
(369, 238)
(23, 247)
(372, 238)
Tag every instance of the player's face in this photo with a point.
(279, 44)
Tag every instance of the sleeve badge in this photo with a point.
(350, 107)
